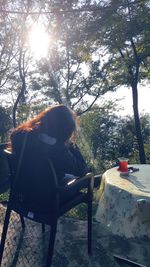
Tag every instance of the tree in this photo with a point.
(5, 123)
(69, 74)
(98, 130)
(6, 47)
(110, 137)
(14, 83)
(122, 28)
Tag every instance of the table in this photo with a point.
(124, 202)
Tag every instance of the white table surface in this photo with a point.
(124, 202)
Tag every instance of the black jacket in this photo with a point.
(66, 158)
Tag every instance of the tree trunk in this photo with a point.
(14, 113)
(20, 95)
(138, 125)
(23, 86)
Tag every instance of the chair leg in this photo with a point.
(51, 244)
(22, 221)
(4, 233)
(90, 226)
(43, 227)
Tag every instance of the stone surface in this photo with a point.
(28, 248)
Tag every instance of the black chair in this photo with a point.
(31, 207)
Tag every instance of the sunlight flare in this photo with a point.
(38, 41)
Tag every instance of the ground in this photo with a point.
(28, 248)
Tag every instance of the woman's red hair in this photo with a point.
(57, 121)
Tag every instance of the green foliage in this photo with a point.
(26, 112)
(134, 157)
(97, 126)
(80, 212)
(4, 197)
(5, 123)
(67, 75)
(122, 27)
(110, 137)
(147, 152)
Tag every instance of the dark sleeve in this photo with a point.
(69, 159)
(17, 140)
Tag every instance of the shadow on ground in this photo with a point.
(28, 248)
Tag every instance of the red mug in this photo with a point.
(123, 165)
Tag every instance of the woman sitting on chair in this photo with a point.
(49, 135)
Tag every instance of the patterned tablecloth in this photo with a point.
(124, 202)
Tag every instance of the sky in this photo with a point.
(125, 97)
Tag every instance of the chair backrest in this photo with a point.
(33, 183)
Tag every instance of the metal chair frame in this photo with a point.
(49, 219)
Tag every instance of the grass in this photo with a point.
(4, 197)
(80, 212)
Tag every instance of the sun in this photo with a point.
(38, 41)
